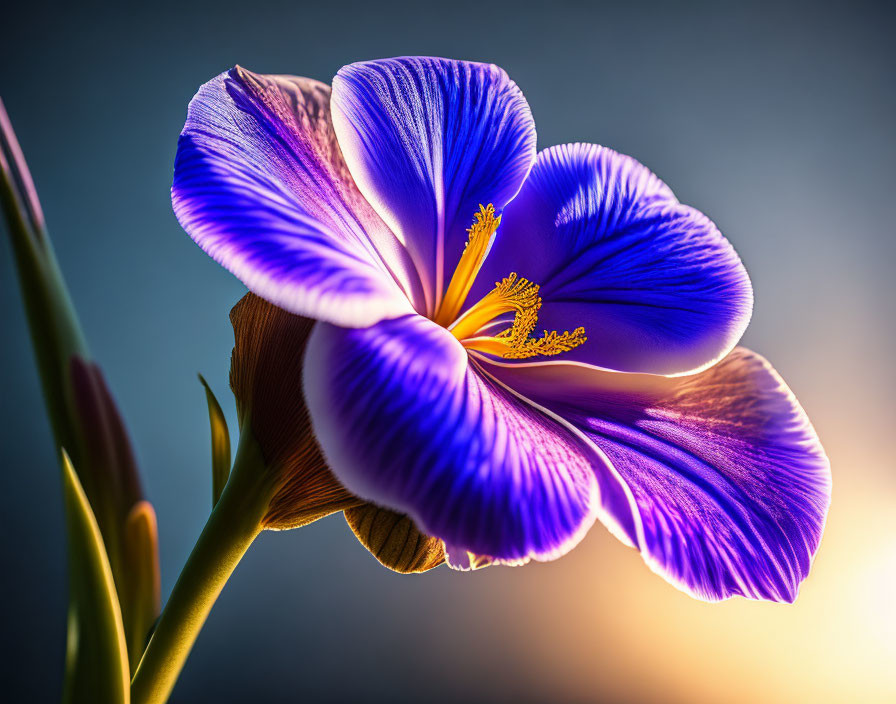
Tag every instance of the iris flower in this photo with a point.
(509, 344)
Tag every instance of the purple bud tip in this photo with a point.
(18, 178)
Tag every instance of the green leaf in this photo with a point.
(220, 443)
(96, 654)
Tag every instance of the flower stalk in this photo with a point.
(233, 525)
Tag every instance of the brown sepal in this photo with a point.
(394, 540)
(266, 378)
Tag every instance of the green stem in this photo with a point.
(233, 525)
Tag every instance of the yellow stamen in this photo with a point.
(547, 345)
(512, 294)
(480, 235)
(521, 297)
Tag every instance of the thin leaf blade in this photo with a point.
(96, 655)
(220, 442)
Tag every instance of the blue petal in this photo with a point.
(260, 185)
(407, 423)
(655, 285)
(731, 482)
(429, 140)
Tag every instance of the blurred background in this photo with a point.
(776, 120)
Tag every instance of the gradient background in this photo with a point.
(777, 122)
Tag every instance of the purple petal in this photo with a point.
(260, 184)
(655, 285)
(407, 423)
(429, 140)
(729, 477)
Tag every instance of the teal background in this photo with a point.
(776, 119)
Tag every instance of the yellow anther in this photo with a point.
(547, 345)
(479, 236)
(513, 294)
(521, 297)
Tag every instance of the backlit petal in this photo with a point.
(656, 286)
(407, 423)
(730, 479)
(261, 186)
(428, 140)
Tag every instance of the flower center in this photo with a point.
(513, 294)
